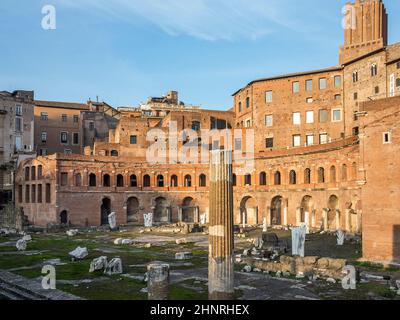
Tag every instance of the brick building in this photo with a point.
(314, 157)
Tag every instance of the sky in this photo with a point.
(124, 51)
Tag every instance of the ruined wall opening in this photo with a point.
(276, 211)
(188, 210)
(202, 181)
(146, 181)
(292, 177)
(333, 174)
(106, 180)
(188, 181)
(333, 204)
(248, 211)
(321, 175)
(160, 181)
(263, 179)
(64, 217)
(133, 181)
(132, 210)
(307, 176)
(306, 209)
(78, 180)
(174, 181)
(92, 180)
(105, 211)
(161, 210)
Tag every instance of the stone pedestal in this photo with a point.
(158, 281)
(220, 261)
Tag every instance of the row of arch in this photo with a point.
(307, 177)
(134, 182)
(31, 173)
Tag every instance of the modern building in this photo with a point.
(16, 137)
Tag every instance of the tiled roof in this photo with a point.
(62, 105)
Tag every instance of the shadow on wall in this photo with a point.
(396, 242)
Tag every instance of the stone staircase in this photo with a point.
(15, 287)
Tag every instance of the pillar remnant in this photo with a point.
(158, 281)
(220, 261)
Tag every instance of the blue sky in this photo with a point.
(127, 50)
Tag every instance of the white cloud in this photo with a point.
(205, 19)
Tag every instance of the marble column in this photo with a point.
(220, 261)
(158, 281)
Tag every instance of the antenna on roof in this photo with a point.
(97, 98)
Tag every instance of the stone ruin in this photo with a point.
(269, 246)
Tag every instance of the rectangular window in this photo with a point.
(268, 96)
(269, 120)
(39, 195)
(240, 107)
(355, 76)
(336, 115)
(91, 125)
(43, 152)
(33, 197)
(238, 144)
(27, 194)
(64, 179)
(355, 96)
(323, 115)
(44, 116)
(48, 193)
(376, 90)
(75, 138)
(44, 137)
(387, 138)
(76, 118)
(322, 84)
(309, 100)
(64, 137)
(338, 81)
(247, 102)
(248, 123)
(310, 139)
(67, 151)
(133, 140)
(310, 117)
(18, 143)
(309, 85)
(269, 143)
(297, 140)
(64, 118)
(18, 124)
(296, 118)
(18, 110)
(338, 97)
(296, 87)
(20, 198)
(323, 138)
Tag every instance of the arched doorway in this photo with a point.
(276, 211)
(161, 210)
(333, 204)
(105, 211)
(132, 210)
(189, 211)
(64, 217)
(307, 212)
(248, 211)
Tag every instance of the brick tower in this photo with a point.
(366, 29)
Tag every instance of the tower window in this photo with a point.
(374, 70)
(376, 90)
(387, 138)
(355, 76)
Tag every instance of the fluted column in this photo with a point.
(220, 261)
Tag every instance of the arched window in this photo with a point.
(120, 181)
(263, 179)
(277, 178)
(354, 171)
(202, 180)
(374, 70)
(146, 181)
(307, 176)
(133, 181)
(292, 177)
(27, 173)
(160, 181)
(114, 153)
(40, 172)
(33, 173)
(234, 180)
(333, 174)
(78, 180)
(247, 180)
(92, 180)
(188, 181)
(321, 175)
(106, 180)
(344, 172)
(174, 181)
